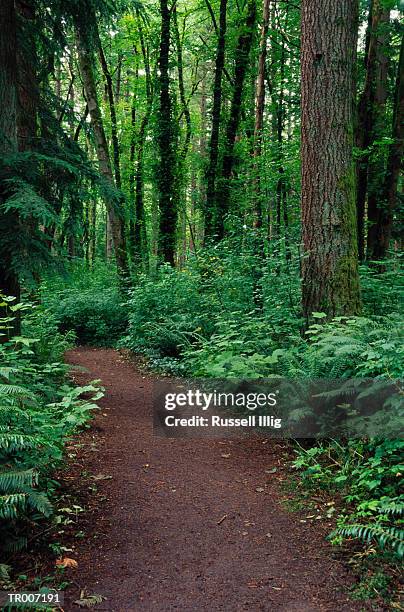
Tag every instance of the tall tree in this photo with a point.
(259, 112)
(210, 210)
(113, 198)
(330, 281)
(9, 283)
(167, 149)
(243, 48)
(382, 229)
(371, 118)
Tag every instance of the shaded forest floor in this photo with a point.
(188, 524)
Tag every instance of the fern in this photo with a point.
(13, 480)
(391, 537)
(15, 442)
(11, 505)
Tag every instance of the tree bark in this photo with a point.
(370, 110)
(167, 149)
(244, 44)
(112, 112)
(330, 281)
(113, 200)
(388, 200)
(259, 114)
(210, 211)
(9, 282)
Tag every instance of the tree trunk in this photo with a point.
(9, 283)
(330, 280)
(370, 108)
(244, 44)
(210, 212)
(378, 63)
(166, 142)
(388, 200)
(112, 112)
(112, 199)
(259, 114)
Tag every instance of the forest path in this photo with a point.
(159, 546)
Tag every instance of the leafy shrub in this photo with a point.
(163, 318)
(88, 304)
(217, 316)
(367, 474)
(38, 411)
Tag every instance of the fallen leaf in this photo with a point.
(66, 562)
(260, 489)
(225, 455)
(271, 471)
(220, 521)
(101, 477)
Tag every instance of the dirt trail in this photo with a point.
(161, 547)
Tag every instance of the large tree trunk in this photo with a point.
(388, 200)
(371, 110)
(9, 283)
(244, 44)
(114, 201)
(259, 114)
(210, 211)
(329, 265)
(166, 141)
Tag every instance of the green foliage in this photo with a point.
(368, 476)
(213, 316)
(87, 304)
(38, 411)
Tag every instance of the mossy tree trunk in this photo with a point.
(372, 118)
(211, 173)
(113, 198)
(166, 141)
(244, 45)
(259, 114)
(388, 200)
(330, 281)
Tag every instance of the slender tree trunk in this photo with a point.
(259, 114)
(112, 199)
(378, 42)
(244, 44)
(388, 200)
(132, 169)
(166, 142)
(202, 145)
(210, 212)
(370, 108)
(329, 266)
(9, 283)
(181, 175)
(112, 112)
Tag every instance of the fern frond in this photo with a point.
(14, 442)
(12, 505)
(14, 480)
(391, 537)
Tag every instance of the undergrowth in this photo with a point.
(39, 411)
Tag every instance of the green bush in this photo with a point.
(367, 474)
(86, 303)
(213, 316)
